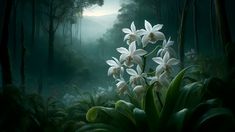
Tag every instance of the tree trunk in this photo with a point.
(4, 53)
(14, 29)
(33, 22)
(181, 34)
(225, 34)
(51, 45)
(40, 82)
(195, 26)
(22, 66)
(51, 36)
(212, 28)
(71, 33)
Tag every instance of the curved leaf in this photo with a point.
(98, 127)
(171, 98)
(216, 120)
(99, 114)
(150, 108)
(177, 122)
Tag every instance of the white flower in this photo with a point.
(137, 77)
(165, 63)
(121, 86)
(191, 54)
(131, 34)
(151, 34)
(166, 47)
(159, 81)
(116, 67)
(139, 89)
(132, 55)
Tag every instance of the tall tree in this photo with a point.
(195, 26)
(33, 21)
(22, 65)
(181, 33)
(4, 53)
(229, 46)
(55, 11)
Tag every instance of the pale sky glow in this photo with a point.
(109, 7)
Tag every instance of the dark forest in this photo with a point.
(117, 65)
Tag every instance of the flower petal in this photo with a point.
(116, 60)
(145, 40)
(157, 27)
(166, 57)
(126, 37)
(147, 25)
(139, 70)
(140, 52)
(133, 28)
(158, 60)
(131, 72)
(111, 63)
(173, 61)
(139, 89)
(122, 50)
(123, 57)
(110, 71)
(137, 59)
(132, 47)
(141, 32)
(126, 30)
(159, 52)
(159, 35)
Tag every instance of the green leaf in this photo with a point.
(177, 122)
(99, 114)
(98, 127)
(141, 120)
(150, 108)
(126, 109)
(171, 98)
(190, 96)
(216, 120)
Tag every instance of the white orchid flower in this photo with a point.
(165, 63)
(116, 68)
(131, 34)
(166, 47)
(121, 86)
(191, 54)
(139, 89)
(131, 55)
(137, 77)
(159, 81)
(151, 34)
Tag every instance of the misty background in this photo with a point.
(86, 39)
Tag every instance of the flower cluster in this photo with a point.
(131, 60)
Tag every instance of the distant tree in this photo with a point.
(57, 11)
(54, 12)
(4, 53)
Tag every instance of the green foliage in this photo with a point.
(187, 108)
(150, 107)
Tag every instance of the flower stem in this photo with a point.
(152, 51)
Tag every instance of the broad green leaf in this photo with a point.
(99, 114)
(199, 111)
(141, 120)
(171, 98)
(216, 120)
(150, 108)
(126, 109)
(177, 122)
(97, 127)
(190, 96)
